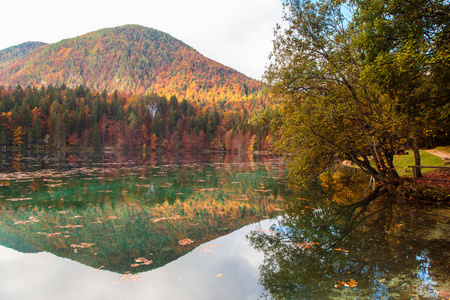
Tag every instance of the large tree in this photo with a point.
(405, 45)
(329, 113)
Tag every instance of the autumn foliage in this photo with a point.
(62, 117)
(132, 59)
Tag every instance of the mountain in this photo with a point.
(131, 59)
(18, 52)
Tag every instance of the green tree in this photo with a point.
(405, 45)
(36, 129)
(329, 114)
(95, 136)
(158, 126)
(4, 131)
(57, 126)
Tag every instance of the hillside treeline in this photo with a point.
(60, 117)
(132, 59)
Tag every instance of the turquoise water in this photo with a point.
(115, 226)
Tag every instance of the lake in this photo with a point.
(185, 226)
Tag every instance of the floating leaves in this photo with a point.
(342, 250)
(128, 277)
(262, 190)
(208, 189)
(352, 283)
(69, 226)
(306, 245)
(50, 234)
(18, 199)
(207, 248)
(309, 207)
(186, 241)
(31, 219)
(82, 245)
(141, 261)
(155, 220)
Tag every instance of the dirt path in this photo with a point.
(444, 155)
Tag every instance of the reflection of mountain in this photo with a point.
(113, 217)
(12, 239)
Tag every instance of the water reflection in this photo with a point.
(129, 214)
(328, 247)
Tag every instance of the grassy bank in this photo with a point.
(402, 162)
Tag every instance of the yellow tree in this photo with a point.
(329, 114)
(17, 136)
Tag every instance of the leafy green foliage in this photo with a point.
(329, 114)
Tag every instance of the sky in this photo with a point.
(236, 33)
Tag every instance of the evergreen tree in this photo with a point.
(95, 137)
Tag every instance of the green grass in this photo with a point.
(401, 162)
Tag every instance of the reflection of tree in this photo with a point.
(123, 214)
(325, 250)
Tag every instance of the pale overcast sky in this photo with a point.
(236, 33)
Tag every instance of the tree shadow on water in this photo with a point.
(329, 246)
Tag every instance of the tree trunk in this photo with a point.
(417, 171)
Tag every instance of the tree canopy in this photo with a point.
(336, 101)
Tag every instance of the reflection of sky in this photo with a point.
(193, 276)
(423, 272)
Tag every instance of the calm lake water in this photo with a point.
(113, 226)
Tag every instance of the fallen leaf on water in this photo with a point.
(352, 283)
(128, 277)
(306, 245)
(31, 219)
(310, 207)
(340, 249)
(98, 269)
(186, 241)
(18, 199)
(69, 226)
(303, 199)
(207, 248)
(50, 234)
(141, 261)
(82, 245)
(176, 217)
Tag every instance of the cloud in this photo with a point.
(237, 33)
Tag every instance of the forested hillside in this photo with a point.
(61, 116)
(18, 52)
(130, 59)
